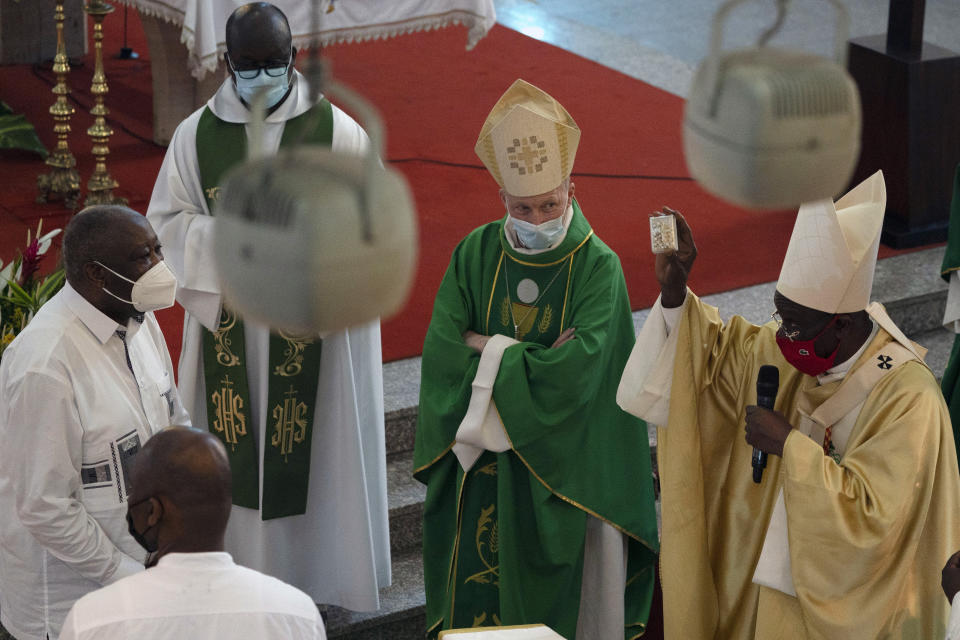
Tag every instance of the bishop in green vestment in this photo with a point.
(539, 504)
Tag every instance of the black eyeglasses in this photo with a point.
(249, 74)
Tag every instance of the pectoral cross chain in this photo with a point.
(516, 325)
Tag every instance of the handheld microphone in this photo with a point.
(768, 382)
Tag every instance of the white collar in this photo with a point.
(226, 104)
(99, 324)
(197, 559)
(511, 234)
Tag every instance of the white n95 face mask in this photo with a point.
(539, 236)
(155, 289)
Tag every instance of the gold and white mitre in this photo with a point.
(833, 250)
(528, 141)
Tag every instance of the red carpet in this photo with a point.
(434, 96)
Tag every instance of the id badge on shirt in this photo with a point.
(105, 476)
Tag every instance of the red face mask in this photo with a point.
(802, 355)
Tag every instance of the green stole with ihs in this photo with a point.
(294, 361)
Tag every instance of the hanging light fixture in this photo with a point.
(771, 128)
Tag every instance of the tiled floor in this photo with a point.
(662, 41)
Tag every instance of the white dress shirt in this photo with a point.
(953, 626)
(73, 415)
(195, 595)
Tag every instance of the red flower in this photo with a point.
(30, 263)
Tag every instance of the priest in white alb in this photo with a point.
(858, 507)
(309, 488)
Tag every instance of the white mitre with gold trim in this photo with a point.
(833, 250)
(528, 142)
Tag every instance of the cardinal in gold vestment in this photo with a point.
(858, 507)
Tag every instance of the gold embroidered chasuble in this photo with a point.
(868, 535)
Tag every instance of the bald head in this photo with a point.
(189, 471)
(258, 31)
(100, 232)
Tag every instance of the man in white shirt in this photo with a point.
(178, 511)
(82, 387)
(330, 482)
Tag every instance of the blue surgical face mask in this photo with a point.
(276, 87)
(539, 236)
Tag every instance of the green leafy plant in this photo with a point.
(22, 291)
(16, 132)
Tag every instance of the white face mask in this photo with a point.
(539, 236)
(155, 289)
(276, 86)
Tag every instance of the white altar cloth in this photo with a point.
(203, 22)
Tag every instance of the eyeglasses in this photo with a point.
(249, 74)
(789, 335)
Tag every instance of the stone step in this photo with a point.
(401, 394)
(405, 500)
(401, 615)
(939, 344)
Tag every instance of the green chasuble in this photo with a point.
(294, 361)
(503, 544)
(951, 262)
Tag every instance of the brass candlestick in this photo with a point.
(62, 181)
(101, 185)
